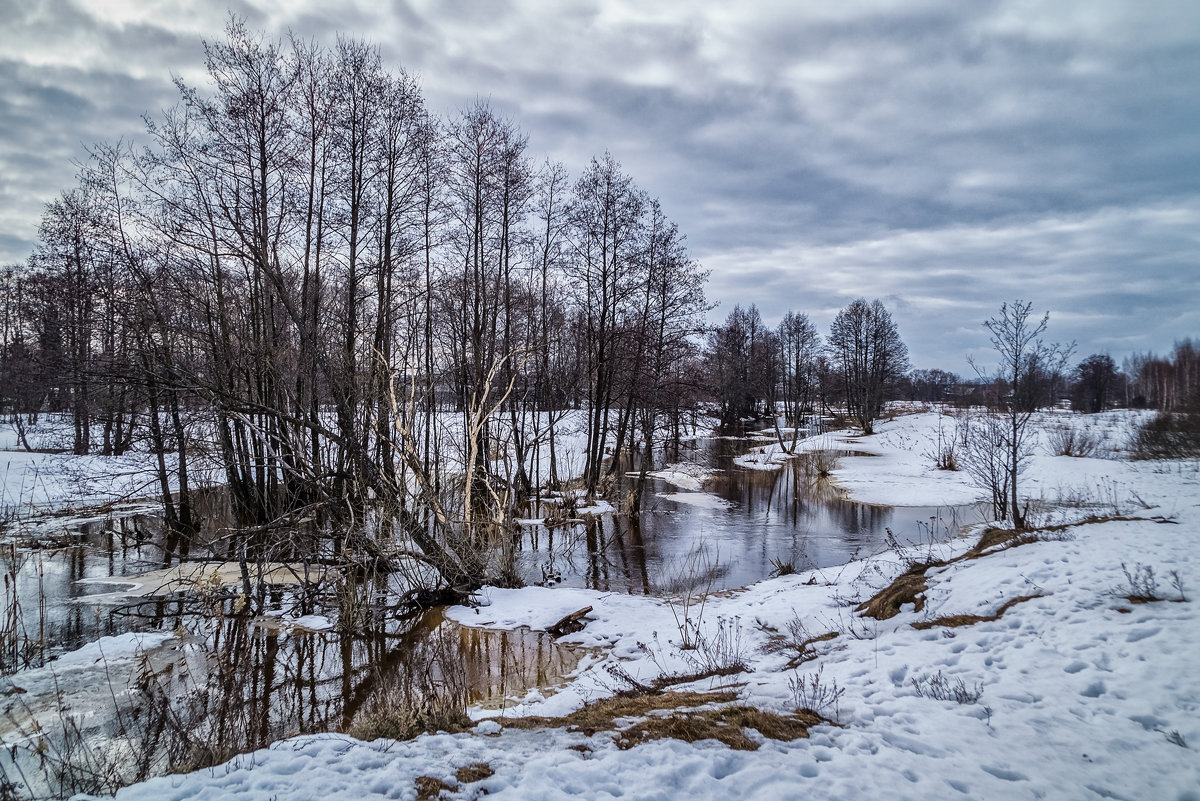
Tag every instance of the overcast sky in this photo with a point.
(943, 157)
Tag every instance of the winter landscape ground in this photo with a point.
(1059, 665)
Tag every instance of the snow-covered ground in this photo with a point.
(1072, 693)
(33, 482)
(51, 479)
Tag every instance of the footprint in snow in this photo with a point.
(1141, 634)
(1006, 774)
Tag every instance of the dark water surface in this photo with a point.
(762, 519)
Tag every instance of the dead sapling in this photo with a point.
(796, 642)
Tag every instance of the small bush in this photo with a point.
(941, 688)
(782, 567)
(1168, 436)
(813, 693)
(1081, 444)
(719, 652)
(824, 463)
(1141, 585)
(945, 451)
(946, 459)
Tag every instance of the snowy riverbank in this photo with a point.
(1072, 692)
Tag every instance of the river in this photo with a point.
(221, 684)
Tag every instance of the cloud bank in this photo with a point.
(943, 157)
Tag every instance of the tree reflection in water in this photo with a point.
(228, 685)
(746, 520)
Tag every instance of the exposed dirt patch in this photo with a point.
(726, 725)
(474, 773)
(955, 621)
(430, 789)
(907, 588)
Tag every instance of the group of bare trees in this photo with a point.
(1170, 383)
(351, 304)
(755, 370)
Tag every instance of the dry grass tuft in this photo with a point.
(726, 725)
(906, 589)
(663, 682)
(999, 538)
(430, 789)
(955, 621)
(678, 716)
(603, 714)
(474, 773)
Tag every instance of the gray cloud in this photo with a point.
(945, 156)
(1117, 279)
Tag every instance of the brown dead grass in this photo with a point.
(676, 715)
(955, 621)
(663, 682)
(726, 725)
(430, 789)
(907, 588)
(999, 539)
(603, 714)
(474, 773)
(909, 585)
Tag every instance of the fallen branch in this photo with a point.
(570, 624)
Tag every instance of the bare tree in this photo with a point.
(743, 359)
(1027, 365)
(606, 219)
(869, 356)
(302, 241)
(799, 350)
(1095, 380)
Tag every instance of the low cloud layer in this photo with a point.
(943, 157)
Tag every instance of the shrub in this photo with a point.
(1168, 436)
(814, 693)
(941, 688)
(1081, 444)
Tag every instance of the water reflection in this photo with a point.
(228, 685)
(786, 515)
(42, 584)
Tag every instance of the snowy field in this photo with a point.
(1071, 692)
(50, 479)
(37, 481)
